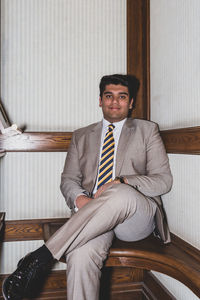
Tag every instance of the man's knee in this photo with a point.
(122, 194)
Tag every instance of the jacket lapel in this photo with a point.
(124, 141)
(94, 139)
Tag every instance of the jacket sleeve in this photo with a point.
(71, 177)
(158, 177)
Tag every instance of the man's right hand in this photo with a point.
(104, 187)
(82, 200)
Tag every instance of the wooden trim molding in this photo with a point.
(138, 53)
(179, 141)
(182, 141)
(36, 142)
(28, 230)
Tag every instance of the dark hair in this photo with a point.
(126, 80)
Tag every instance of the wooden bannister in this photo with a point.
(182, 140)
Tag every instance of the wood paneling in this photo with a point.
(138, 52)
(182, 141)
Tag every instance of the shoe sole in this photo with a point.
(3, 288)
(5, 297)
(3, 291)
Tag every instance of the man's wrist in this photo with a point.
(120, 178)
(80, 201)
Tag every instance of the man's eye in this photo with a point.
(122, 97)
(108, 96)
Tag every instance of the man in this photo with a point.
(114, 174)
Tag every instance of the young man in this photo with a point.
(114, 174)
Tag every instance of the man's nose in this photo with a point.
(115, 99)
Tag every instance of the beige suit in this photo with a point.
(127, 209)
(141, 158)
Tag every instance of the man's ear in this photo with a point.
(131, 104)
(100, 102)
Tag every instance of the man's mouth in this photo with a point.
(114, 108)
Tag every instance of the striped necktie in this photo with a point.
(107, 158)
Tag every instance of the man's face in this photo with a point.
(115, 102)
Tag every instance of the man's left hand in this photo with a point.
(104, 187)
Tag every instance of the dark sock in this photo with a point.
(44, 254)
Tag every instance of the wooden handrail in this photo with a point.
(182, 140)
(36, 142)
(27, 230)
(173, 260)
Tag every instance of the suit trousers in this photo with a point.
(86, 238)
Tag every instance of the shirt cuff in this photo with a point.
(75, 207)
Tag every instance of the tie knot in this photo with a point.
(111, 127)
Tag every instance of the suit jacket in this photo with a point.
(141, 158)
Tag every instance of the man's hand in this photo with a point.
(104, 187)
(82, 200)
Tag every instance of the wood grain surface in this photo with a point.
(27, 230)
(182, 141)
(138, 53)
(36, 142)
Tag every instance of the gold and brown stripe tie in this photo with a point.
(107, 158)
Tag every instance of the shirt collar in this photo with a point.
(118, 125)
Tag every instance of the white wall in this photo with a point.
(54, 53)
(175, 93)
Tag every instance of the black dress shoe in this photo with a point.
(27, 278)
